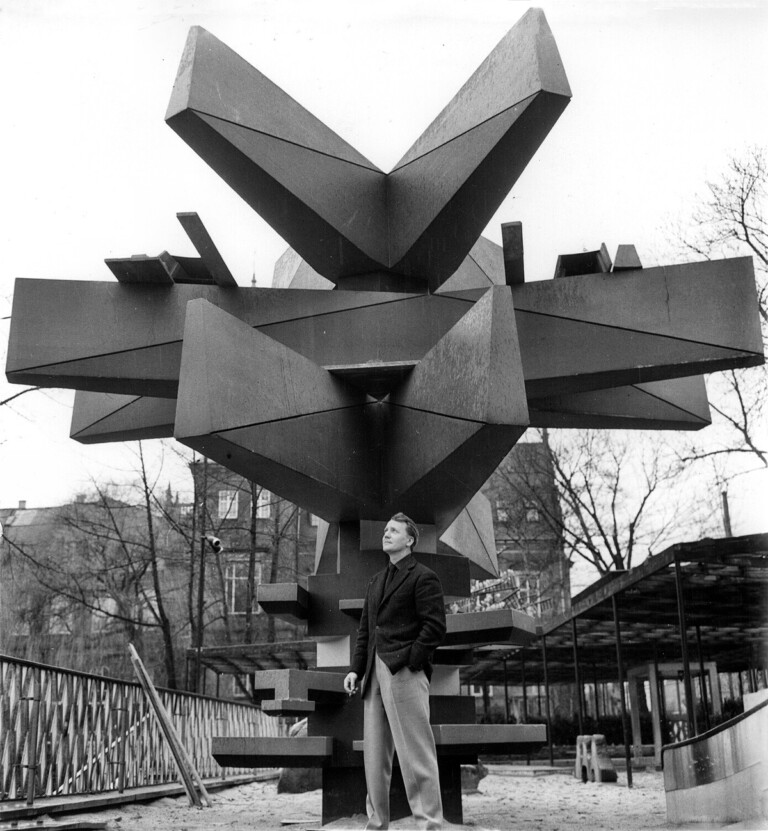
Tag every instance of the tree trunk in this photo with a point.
(251, 597)
(165, 624)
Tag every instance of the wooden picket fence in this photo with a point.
(66, 733)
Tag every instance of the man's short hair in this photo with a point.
(410, 527)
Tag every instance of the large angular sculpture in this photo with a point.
(398, 359)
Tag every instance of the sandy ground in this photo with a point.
(507, 799)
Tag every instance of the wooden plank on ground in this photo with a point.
(57, 824)
(187, 770)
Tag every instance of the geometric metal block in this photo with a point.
(609, 330)
(299, 175)
(466, 401)
(342, 214)
(488, 738)
(514, 263)
(266, 412)
(101, 417)
(268, 751)
(585, 262)
(472, 739)
(304, 684)
(476, 149)
(506, 626)
(206, 248)
(288, 707)
(626, 258)
(675, 404)
(287, 601)
(482, 268)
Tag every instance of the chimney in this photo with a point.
(22, 504)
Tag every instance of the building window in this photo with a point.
(532, 512)
(227, 504)
(186, 511)
(264, 504)
(236, 579)
(502, 514)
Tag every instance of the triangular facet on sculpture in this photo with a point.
(292, 272)
(525, 61)
(482, 268)
(232, 376)
(243, 125)
(700, 302)
(261, 409)
(471, 534)
(474, 372)
(513, 137)
(214, 79)
(572, 356)
(675, 404)
(457, 173)
(457, 414)
(98, 417)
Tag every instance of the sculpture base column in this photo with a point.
(344, 793)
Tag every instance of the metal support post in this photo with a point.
(623, 696)
(577, 678)
(546, 700)
(525, 688)
(506, 691)
(687, 686)
(702, 679)
(597, 697)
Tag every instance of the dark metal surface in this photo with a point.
(339, 211)
(206, 248)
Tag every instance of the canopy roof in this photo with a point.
(245, 658)
(725, 599)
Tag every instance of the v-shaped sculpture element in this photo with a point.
(342, 214)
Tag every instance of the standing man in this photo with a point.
(403, 622)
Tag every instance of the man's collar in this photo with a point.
(401, 561)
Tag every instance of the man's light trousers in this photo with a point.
(396, 718)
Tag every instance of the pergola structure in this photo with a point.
(695, 604)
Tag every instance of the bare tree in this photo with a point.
(17, 395)
(616, 499)
(101, 561)
(731, 221)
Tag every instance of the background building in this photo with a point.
(529, 543)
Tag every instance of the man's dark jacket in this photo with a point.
(404, 625)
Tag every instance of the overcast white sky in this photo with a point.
(663, 94)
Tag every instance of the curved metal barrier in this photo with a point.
(721, 775)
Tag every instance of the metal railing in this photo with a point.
(64, 732)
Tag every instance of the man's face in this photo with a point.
(396, 538)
